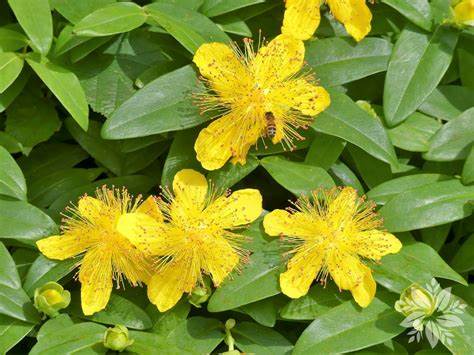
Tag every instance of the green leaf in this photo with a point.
(65, 86)
(24, 222)
(372, 171)
(448, 102)
(414, 133)
(453, 141)
(31, 120)
(415, 263)
(180, 156)
(213, 8)
(257, 280)
(192, 33)
(384, 192)
(230, 174)
(163, 105)
(72, 339)
(7, 97)
(264, 312)
(75, 11)
(11, 39)
(44, 270)
(346, 120)
(165, 322)
(417, 11)
(119, 310)
(463, 260)
(347, 327)
(35, 18)
(344, 176)
(13, 300)
(299, 178)
(324, 150)
(462, 341)
(466, 61)
(12, 331)
(468, 169)
(316, 302)
(12, 181)
(10, 67)
(429, 205)
(421, 61)
(256, 339)
(338, 61)
(111, 19)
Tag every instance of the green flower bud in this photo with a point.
(117, 338)
(200, 294)
(367, 107)
(416, 299)
(50, 298)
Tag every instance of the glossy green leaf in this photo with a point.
(338, 61)
(230, 174)
(44, 270)
(12, 331)
(74, 10)
(24, 222)
(38, 27)
(213, 8)
(324, 150)
(11, 39)
(420, 264)
(10, 67)
(192, 33)
(7, 97)
(346, 120)
(65, 86)
(264, 312)
(344, 176)
(468, 169)
(429, 205)
(347, 327)
(13, 300)
(81, 337)
(466, 61)
(388, 190)
(163, 105)
(119, 310)
(463, 260)
(111, 19)
(299, 178)
(421, 60)
(256, 339)
(448, 102)
(453, 141)
(12, 181)
(414, 133)
(417, 11)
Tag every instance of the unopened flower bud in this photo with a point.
(117, 338)
(416, 299)
(51, 298)
(463, 13)
(367, 107)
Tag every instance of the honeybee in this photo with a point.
(271, 127)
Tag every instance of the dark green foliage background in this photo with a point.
(96, 92)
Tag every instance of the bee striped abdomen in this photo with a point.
(271, 127)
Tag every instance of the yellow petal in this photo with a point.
(345, 269)
(280, 222)
(301, 18)
(91, 208)
(364, 292)
(278, 60)
(299, 95)
(150, 208)
(168, 285)
(355, 16)
(190, 188)
(241, 207)
(220, 258)
(61, 247)
(302, 269)
(374, 244)
(343, 207)
(218, 63)
(228, 136)
(464, 12)
(95, 276)
(145, 232)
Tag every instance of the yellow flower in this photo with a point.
(193, 235)
(90, 231)
(332, 233)
(258, 94)
(302, 17)
(464, 13)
